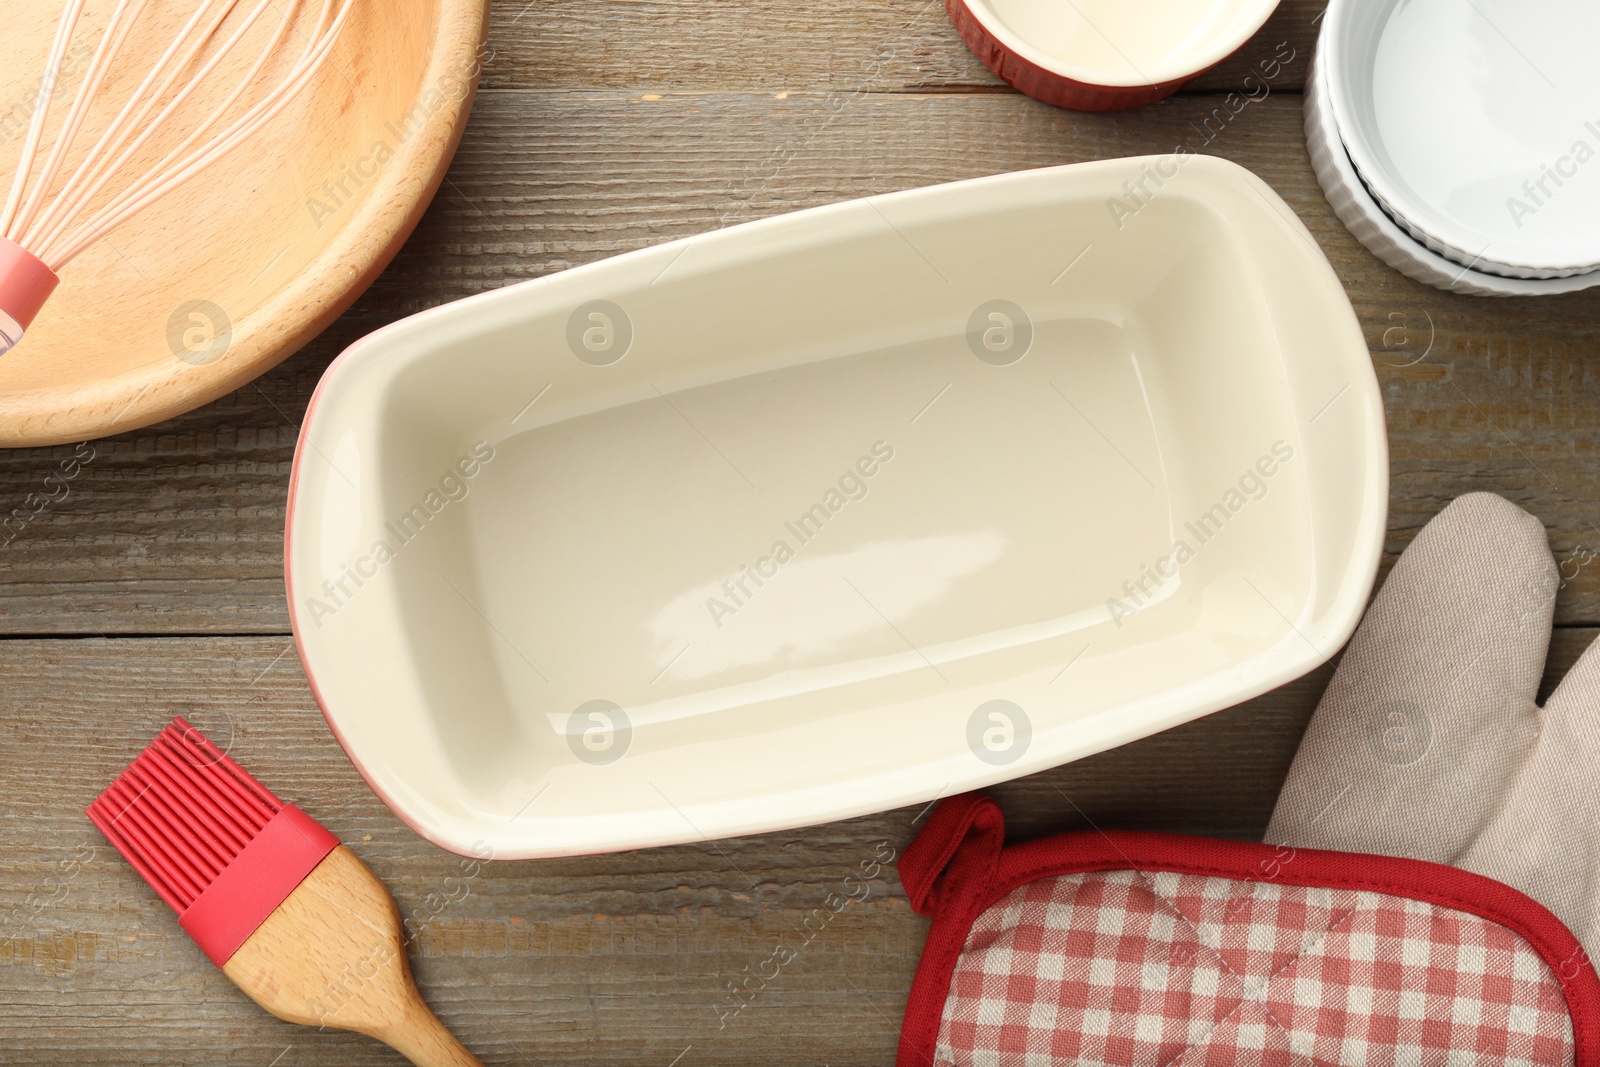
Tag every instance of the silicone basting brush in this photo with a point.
(289, 914)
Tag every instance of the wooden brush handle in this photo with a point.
(334, 954)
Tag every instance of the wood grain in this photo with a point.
(333, 956)
(608, 125)
(177, 529)
(245, 262)
(832, 45)
(611, 959)
(622, 959)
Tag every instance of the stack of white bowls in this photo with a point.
(1459, 140)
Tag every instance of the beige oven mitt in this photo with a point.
(1430, 743)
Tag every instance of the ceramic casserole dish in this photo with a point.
(1474, 125)
(1103, 55)
(1381, 234)
(836, 511)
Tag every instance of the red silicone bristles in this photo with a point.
(181, 812)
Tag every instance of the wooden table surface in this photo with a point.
(151, 583)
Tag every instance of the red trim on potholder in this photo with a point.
(957, 868)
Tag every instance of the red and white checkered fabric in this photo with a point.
(1176, 970)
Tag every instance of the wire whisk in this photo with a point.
(54, 213)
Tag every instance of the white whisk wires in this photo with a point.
(56, 222)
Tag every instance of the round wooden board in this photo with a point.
(244, 264)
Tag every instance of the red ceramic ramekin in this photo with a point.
(1108, 55)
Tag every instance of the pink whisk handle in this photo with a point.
(25, 284)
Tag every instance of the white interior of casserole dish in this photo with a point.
(1384, 238)
(1112, 43)
(1476, 124)
(562, 536)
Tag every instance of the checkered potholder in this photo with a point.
(1149, 949)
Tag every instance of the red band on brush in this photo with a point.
(25, 283)
(260, 878)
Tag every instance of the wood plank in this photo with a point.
(621, 959)
(177, 529)
(608, 125)
(833, 46)
(615, 959)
